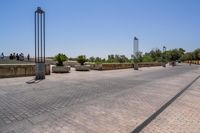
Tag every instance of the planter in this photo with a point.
(173, 63)
(60, 69)
(136, 66)
(82, 67)
(163, 64)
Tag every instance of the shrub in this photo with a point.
(81, 59)
(60, 58)
(147, 58)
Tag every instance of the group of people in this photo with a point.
(16, 56)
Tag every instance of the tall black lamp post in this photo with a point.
(164, 57)
(164, 48)
(39, 19)
(135, 52)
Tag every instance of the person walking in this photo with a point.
(17, 56)
(2, 56)
(28, 57)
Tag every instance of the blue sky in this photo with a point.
(100, 27)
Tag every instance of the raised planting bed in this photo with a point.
(61, 69)
(82, 67)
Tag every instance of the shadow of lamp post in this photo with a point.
(39, 19)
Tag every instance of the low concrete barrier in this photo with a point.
(113, 66)
(193, 62)
(150, 64)
(20, 70)
(196, 62)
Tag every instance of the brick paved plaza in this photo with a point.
(182, 116)
(102, 101)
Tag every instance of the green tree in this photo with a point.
(81, 59)
(156, 54)
(111, 58)
(196, 54)
(181, 51)
(91, 59)
(60, 58)
(122, 59)
(147, 58)
(103, 60)
(98, 60)
(187, 56)
(173, 55)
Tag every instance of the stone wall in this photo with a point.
(113, 66)
(151, 64)
(194, 62)
(20, 70)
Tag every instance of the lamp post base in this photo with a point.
(163, 64)
(40, 71)
(136, 66)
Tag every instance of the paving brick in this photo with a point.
(181, 116)
(108, 101)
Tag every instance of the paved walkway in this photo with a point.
(79, 102)
(182, 116)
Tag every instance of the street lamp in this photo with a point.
(163, 57)
(135, 52)
(39, 19)
(164, 48)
